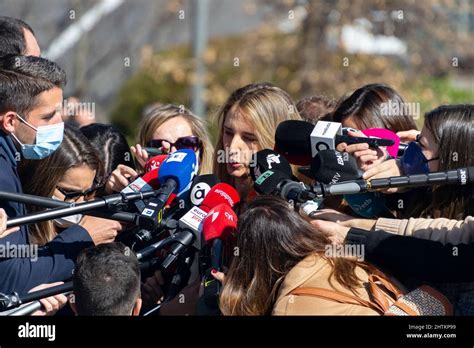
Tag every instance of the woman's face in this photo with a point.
(240, 142)
(350, 122)
(171, 130)
(430, 148)
(76, 179)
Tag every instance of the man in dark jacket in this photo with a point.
(31, 127)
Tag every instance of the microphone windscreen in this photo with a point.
(292, 140)
(155, 162)
(266, 159)
(181, 166)
(367, 204)
(331, 166)
(385, 134)
(218, 194)
(220, 223)
(268, 182)
(147, 182)
(201, 186)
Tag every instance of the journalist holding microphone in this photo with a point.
(444, 220)
(31, 128)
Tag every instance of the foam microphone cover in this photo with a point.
(155, 162)
(331, 166)
(292, 140)
(266, 159)
(201, 186)
(385, 134)
(218, 194)
(366, 204)
(147, 182)
(220, 223)
(181, 166)
(268, 182)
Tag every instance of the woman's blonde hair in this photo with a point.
(155, 117)
(265, 106)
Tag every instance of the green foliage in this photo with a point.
(167, 77)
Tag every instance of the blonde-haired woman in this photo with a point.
(170, 128)
(247, 123)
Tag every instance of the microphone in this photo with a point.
(155, 162)
(331, 166)
(219, 226)
(180, 245)
(460, 176)
(327, 135)
(299, 141)
(379, 133)
(146, 183)
(176, 175)
(153, 151)
(202, 184)
(221, 193)
(266, 159)
(275, 182)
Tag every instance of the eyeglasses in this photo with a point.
(74, 195)
(190, 142)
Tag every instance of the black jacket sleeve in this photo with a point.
(413, 257)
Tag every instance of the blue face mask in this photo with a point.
(48, 139)
(414, 161)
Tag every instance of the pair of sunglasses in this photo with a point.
(189, 142)
(74, 195)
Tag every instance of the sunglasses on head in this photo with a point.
(189, 142)
(70, 194)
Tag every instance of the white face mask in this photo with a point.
(67, 221)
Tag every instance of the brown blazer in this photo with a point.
(314, 271)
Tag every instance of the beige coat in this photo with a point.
(314, 271)
(440, 230)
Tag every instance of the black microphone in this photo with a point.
(460, 176)
(180, 246)
(299, 141)
(45, 202)
(275, 182)
(15, 300)
(202, 184)
(153, 151)
(267, 159)
(331, 166)
(110, 202)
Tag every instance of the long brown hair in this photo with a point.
(40, 177)
(365, 105)
(453, 129)
(272, 239)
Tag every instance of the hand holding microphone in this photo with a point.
(4, 231)
(50, 305)
(366, 156)
(101, 231)
(120, 178)
(386, 169)
(140, 154)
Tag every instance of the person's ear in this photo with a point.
(8, 121)
(137, 307)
